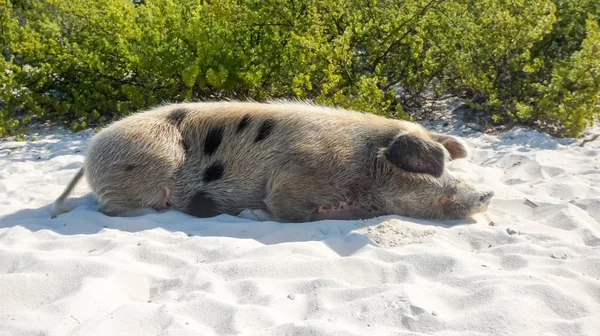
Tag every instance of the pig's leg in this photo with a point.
(162, 204)
(348, 211)
(115, 211)
(138, 212)
(291, 198)
(256, 215)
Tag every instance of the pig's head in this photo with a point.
(418, 183)
(445, 198)
(458, 199)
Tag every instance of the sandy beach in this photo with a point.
(528, 266)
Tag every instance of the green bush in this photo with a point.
(88, 62)
(8, 25)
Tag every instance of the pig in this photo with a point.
(285, 161)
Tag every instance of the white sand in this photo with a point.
(170, 274)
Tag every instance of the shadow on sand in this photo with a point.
(339, 235)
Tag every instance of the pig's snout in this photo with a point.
(486, 197)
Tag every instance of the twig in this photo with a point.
(75, 319)
(589, 140)
(393, 44)
(530, 201)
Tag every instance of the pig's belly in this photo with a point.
(347, 212)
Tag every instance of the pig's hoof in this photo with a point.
(255, 214)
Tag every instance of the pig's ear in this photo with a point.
(417, 155)
(457, 148)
